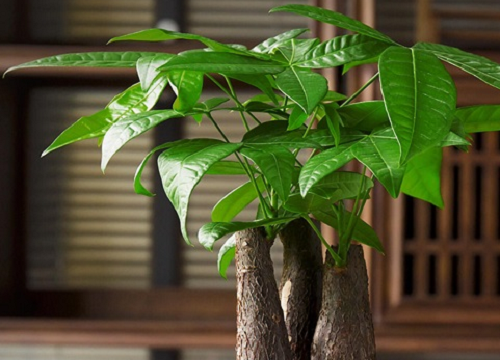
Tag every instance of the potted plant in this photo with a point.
(321, 309)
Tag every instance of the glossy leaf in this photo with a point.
(323, 164)
(221, 62)
(343, 50)
(364, 116)
(261, 82)
(276, 163)
(420, 97)
(453, 139)
(211, 232)
(479, 118)
(333, 96)
(482, 68)
(334, 18)
(270, 44)
(295, 50)
(305, 205)
(362, 232)
(297, 118)
(333, 121)
(422, 177)
(233, 203)
(128, 128)
(341, 185)
(147, 68)
(293, 139)
(352, 64)
(226, 168)
(380, 153)
(305, 88)
(226, 255)
(132, 101)
(92, 59)
(188, 86)
(183, 166)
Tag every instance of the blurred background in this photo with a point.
(89, 269)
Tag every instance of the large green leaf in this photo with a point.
(132, 101)
(93, 59)
(365, 116)
(183, 166)
(226, 255)
(226, 168)
(275, 133)
(188, 86)
(362, 233)
(482, 68)
(333, 121)
(479, 118)
(343, 50)
(233, 203)
(211, 232)
(270, 44)
(305, 205)
(341, 185)
(147, 68)
(297, 118)
(420, 97)
(261, 82)
(295, 50)
(323, 164)
(334, 18)
(125, 129)
(380, 153)
(276, 163)
(305, 88)
(422, 177)
(221, 62)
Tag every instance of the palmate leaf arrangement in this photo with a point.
(398, 139)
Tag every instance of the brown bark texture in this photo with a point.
(345, 327)
(300, 287)
(261, 330)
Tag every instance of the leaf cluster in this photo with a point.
(398, 139)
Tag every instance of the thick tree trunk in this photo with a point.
(261, 333)
(345, 327)
(300, 287)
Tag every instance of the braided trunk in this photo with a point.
(261, 333)
(300, 287)
(345, 328)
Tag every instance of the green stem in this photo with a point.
(338, 260)
(360, 90)
(209, 115)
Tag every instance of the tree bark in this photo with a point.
(300, 287)
(345, 327)
(261, 330)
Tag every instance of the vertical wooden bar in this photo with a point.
(420, 251)
(444, 226)
(427, 23)
(466, 185)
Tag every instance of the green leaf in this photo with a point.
(350, 65)
(482, 68)
(305, 205)
(226, 255)
(226, 168)
(211, 232)
(343, 50)
(362, 233)
(380, 153)
(333, 96)
(183, 166)
(453, 139)
(147, 68)
(270, 44)
(126, 129)
(188, 86)
(293, 139)
(261, 82)
(305, 88)
(420, 97)
(276, 163)
(233, 203)
(364, 116)
(297, 118)
(222, 62)
(333, 121)
(131, 101)
(295, 50)
(323, 164)
(341, 185)
(479, 118)
(422, 177)
(334, 18)
(93, 59)
(138, 187)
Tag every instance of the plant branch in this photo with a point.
(336, 257)
(360, 90)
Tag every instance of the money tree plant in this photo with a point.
(320, 310)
